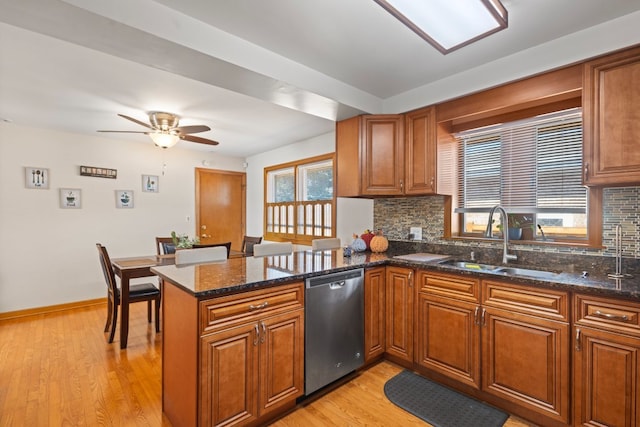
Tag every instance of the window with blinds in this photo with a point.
(532, 168)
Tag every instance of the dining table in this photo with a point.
(137, 267)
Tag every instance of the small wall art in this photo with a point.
(150, 183)
(70, 198)
(98, 172)
(124, 199)
(36, 178)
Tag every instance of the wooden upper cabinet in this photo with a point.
(611, 114)
(420, 151)
(373, 157)
(370, 156)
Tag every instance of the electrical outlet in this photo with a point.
(416, 233)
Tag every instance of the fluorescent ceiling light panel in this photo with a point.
(449, 24)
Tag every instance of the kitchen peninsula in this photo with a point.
(233, 334)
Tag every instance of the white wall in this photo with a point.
(48, 254)
(353, 215)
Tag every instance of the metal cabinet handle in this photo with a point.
(623, 318)
(475, 316)
(411, 278)
(259, 306)
(586, 172)
(401, 185)
(257, 338)
(433, 179)
(264, 332)
(482, 319)
(578, 343)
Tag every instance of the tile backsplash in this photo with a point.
(620, 206)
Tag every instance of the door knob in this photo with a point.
(204, 227)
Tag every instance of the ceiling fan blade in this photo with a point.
(123, 131)
(192, 129)
(136, 121)
(198, 139)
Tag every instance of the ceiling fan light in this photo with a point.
(164, 139)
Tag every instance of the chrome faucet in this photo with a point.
(506, 256)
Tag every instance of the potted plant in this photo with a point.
(182, 241)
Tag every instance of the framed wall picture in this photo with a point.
(124, 199)
(150, 183)
(70, 198)
(36, 177)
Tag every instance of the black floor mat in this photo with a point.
(439, 405)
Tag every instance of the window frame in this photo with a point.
(295, 237)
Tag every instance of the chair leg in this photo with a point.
(149, 311)
(109, 313)
(113, 322)
(158, 315)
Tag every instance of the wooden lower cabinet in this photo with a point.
(606, 362)
(447, 330)
(374, 313)
(399, 314)
(251, 370)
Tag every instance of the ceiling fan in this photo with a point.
(164, 130)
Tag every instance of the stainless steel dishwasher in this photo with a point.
(334, 327)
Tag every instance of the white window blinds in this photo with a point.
(527, 166)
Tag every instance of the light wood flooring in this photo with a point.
(57, 369)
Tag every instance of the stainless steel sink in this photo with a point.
(507, 271)
(470, 265)
(514, 271)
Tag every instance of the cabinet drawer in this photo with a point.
(223, 311)
(607, 313)
(528, 300)
(462, 288)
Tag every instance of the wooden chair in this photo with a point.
(248, 243)
(265, 249)
(137, 293)
(165, 246)
(213, 245)
(201, 255)
(325, 244)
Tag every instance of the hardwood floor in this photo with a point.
(57, 369)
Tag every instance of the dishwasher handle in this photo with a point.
(337, 285)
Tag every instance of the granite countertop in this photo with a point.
(243, 274)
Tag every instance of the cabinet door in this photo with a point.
(611, 101)
(229, 376)
(448, 338)
(374, 300)
(382, 151)
(526, 361)
(399, 313)
(606, 380)
(420, 151)
(281, 360)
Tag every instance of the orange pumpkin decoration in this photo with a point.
(379, 243)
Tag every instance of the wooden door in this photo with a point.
(383, 155)
(374, 306)
(420, 151)
(229, 376)
(281, 360)
(220, 206)
(399, 314)
(606, 380)
(448, 338)
(525, 360)
(611, 101)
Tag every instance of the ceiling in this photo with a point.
(264, 74)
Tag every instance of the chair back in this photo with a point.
(196, 256)
(107, 270)
(249, 242)
(165, 246)
(213, 245)
(265, 249)
(324, 244)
